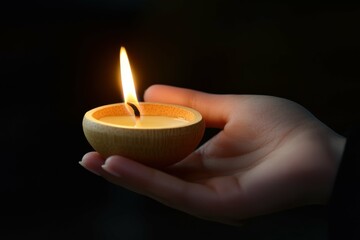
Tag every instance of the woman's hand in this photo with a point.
(271, 154)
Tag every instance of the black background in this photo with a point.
(59, 59)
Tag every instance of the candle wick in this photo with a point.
(136, 110)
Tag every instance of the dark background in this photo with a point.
(59, 59)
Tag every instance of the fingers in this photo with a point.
(92, 161)
(215, 109)
(167, 189)
(193, 198)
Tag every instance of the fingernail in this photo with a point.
(110, 169)
(90, 170)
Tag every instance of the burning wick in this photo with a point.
(136, 110)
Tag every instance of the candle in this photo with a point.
(145, 121)
(154, 134)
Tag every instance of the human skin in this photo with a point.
(270, 154)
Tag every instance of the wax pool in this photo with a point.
(145, 121)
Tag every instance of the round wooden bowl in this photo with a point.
(156, 147)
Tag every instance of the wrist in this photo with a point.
(337, 147)
(344, 204)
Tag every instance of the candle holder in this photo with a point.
(156, 146)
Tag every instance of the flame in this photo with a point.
(127, 81)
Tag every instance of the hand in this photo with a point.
(271, 154)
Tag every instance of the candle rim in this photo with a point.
(197, 117)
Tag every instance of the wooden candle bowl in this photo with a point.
(156, 147)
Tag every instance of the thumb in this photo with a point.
(214, 108)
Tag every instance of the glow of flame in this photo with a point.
(128, 86)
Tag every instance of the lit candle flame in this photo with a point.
(127, 81)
